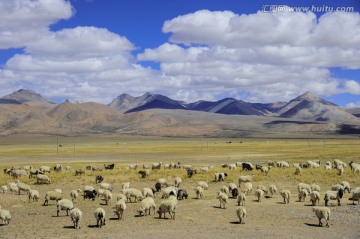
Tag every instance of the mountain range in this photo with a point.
(26, 111)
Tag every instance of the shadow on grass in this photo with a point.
(235, 222)
(69, 227)
(312, 225)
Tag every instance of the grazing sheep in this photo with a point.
(23, 187)
(167, 192)
(338, 162)
(248, 187)
(315, 187)
(125, 185)
(156, 165)
(282, 164)
(234, 192)
(355, 168)
(64, 204)
(5, 216)
(303, 194)
(45, 169)
(41, 178)
(146, 205)
(204, 169)
(58, 168)
(147, 192)
(356, 195)
(241, 199)
(100, 216)
(297, 170)
(245, 179)
(52, 195)
(177, 182)
(334, 195)
(224, 189)
(265, 170)
(133, 193)
(346, 186)
(312, 164)
(34, 172)
(304, 186)
(144, 173)
(167, 205)
(74, 194)
(34, 195)
(263, 188)
(4, 188)
(340, 169)
(79, 172)
(107, 196)
(220, 176)
(120, 207)
(232, 166)
(232, 186)
(259, 194)
(222, 199)
(16, 173)
(182, 194)
(247, 166)
(99, 179)
(271, 163)
(162, 181)
(203, 184)
(88, 188)
(286, 195)
(76, 216)
(314, 197)
(90, 194)
(199, 192)
(68, 168)
(336, 187)
(106, 186)
(272, 190)
(241, 213)
(13, 188)
(322, 212)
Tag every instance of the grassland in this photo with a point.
(79, 152)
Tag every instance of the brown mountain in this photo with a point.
(29, 97)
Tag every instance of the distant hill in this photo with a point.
(29, 97)
(26, 112)
(354, 111)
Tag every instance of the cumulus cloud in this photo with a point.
(24, 21)
(262, 56)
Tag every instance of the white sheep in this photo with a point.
(13, 188)
(5, 216)
(168, 205)
(162, 181)
(304, 186)
(125, 185)
(265, 170)
(58, 190)
(100, 217)
(356, 195)
(314, 197)
(133, 193)
(204, 169)
(272, 190)
(241, 213)
(346, 186)
(232, 186)
(232, 166)
(315, 187)
(41, 178)
(177, 182)
(322, 212)
(120, 196)
(45, 169)
(241, 199)
(334, 195)
(286, 195)
(223, 198)
(248, 187)
(245, 179)
(263, 188)
(64, 204)
(23, 187)
(74, 194)
(259, 194)
(147, 192)
(303, 194)
(34, 195)
(146, 205)
(355, 167)
(52, 195)
(76, 216)
(4, 188)
(167, 192)
(297, 170)
(88, 188)
(340, 169)
(199, 192)
(338, 162)
(120, 207)
(224, 189)
(106, 186)
(107, 196)
(203, 184)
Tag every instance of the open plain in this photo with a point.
(196, 218)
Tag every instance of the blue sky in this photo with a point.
(257, 51)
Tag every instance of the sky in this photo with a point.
(256, 51)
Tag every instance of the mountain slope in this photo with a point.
(29, 97)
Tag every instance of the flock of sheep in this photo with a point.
(171, 193)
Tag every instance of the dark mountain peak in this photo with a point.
(308, 96)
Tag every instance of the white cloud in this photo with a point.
(352, 87)
(24, 21)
